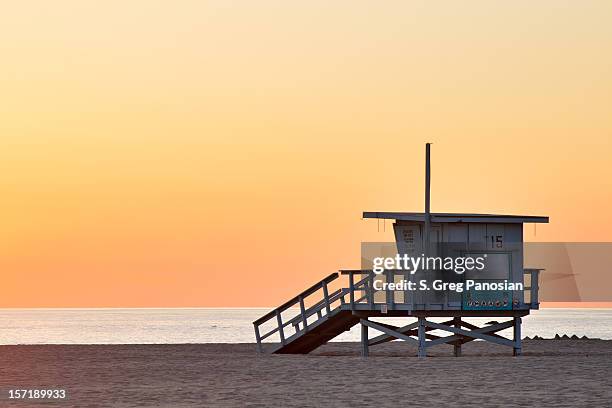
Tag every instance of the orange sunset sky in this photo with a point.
(152, 152)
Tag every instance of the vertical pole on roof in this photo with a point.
(427, 198)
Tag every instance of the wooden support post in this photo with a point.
(517, 337)
(421, 331)
(352, 289)
(258, 338)
(457, 345)
(364, 340)
(303, 312)
(281, 332)
(326, 298)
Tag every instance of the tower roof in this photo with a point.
(458, 217)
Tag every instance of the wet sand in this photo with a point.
(560, 373)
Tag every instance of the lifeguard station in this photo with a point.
(324, 313)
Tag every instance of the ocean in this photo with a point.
(217, 325)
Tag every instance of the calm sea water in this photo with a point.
(140, 326)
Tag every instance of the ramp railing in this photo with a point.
(363, 286)
(363, 294)
(300, 321)
(534, 286)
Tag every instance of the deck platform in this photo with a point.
(354, 303)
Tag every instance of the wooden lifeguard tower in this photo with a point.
(498, 238)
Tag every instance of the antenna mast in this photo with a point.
(426, 238)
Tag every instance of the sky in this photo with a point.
(220, 153)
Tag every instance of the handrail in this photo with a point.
(296, 299)
(304, 313)
(308, 312)
(355, 271)
(274, 330)
(365, 285)
(534, 286)
(335, 295)
(365, 282)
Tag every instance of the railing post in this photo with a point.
(352, 289)
(326, 297)
(370, 288)
(303, 312)
(388, 293)
(535, 278)
(258, 338)
(406, 277)
(281, 331)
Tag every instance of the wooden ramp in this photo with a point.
(319, 333)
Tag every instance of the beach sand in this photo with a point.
(560, 373)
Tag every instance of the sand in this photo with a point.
(560, 373)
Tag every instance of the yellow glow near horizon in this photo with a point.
(150, 151)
